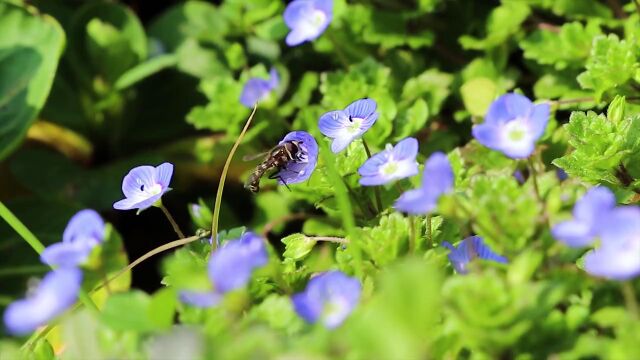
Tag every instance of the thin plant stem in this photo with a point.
(376, 190)
(534, 177)
(630, 299)
(223, 178)
(329, 239)
(429, 236)
(412, 234)
(33, 241)
(341, 56)
(344, 205)
(173, 222)
(24, 270)
(637, 6)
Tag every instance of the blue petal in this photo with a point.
(334, 123)
(573, 233)
(487, 135)
(274, 79)
(415, 202)
(200, 299)
(231, 266)
(508, 107)
(325, 6)
(253, 91)
(613, 264)
(595, 204)
(65, 254)
(469, 249)
(164, 172)
(340, 143)
(438, 177)
(406, 149)
(296, 12)
(620, 228)
(361, 109)
(538, 120)
(57, 291)
(85, 225)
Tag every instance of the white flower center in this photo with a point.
(155, 189)
(516, 130)
(317, 18)
(389, 168)
(354, 126)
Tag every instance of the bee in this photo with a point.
(277, 158)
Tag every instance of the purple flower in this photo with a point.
(512, 125)
(329, 298)
(587, 215)
(618, 256)
(84, 231)
(300, 169)
(257, 89)
(56, 292)
(468, 249)
(144, 185)
(437, 179)
(344, 126)
(393, 163)
(230, 268)
(307, 19)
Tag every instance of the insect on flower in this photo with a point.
(294, 158)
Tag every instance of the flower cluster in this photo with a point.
(58, 290)
(230, 268)
(595, 216)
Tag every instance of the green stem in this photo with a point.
(534, 177)
(19, 227)
(630, 299)
(333, 239)
(412, 234)
(338, 50)
(344, 205)
(223, 177)
(33, 241)
(24, 270)
(173, 222)
(429, 236)
(376, 190)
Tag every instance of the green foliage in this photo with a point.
(133, 90)
(30, 48)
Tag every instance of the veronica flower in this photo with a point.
(618, 256)
(468, 249)
(437, 179)
(512, 125)
(56, 292)
(257, 89)
(230, 268)
(329, 298)
(300, 169)
(393, 163)
(84, 231)
(344, 126)
(144, 185)
(587, 215)
(307, 19)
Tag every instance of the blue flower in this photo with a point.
(84, 231)
(393, 163)
(618, 256)
(344, 126)
(57, 291)
(437, 179)
(230, 268)
(512, 125)
(587, 215)
(329, 298)
(468, 249)
(143, 186)
(300, 169)
(257, 89)
(307, 19)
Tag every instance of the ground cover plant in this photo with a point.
(316, 179)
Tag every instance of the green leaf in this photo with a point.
(477, 95)
(612, 63)
(504, 22)
(128, 312)
(568, 47)
(144, 70)
(30, 47)
(297, 246)
(412, 120)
